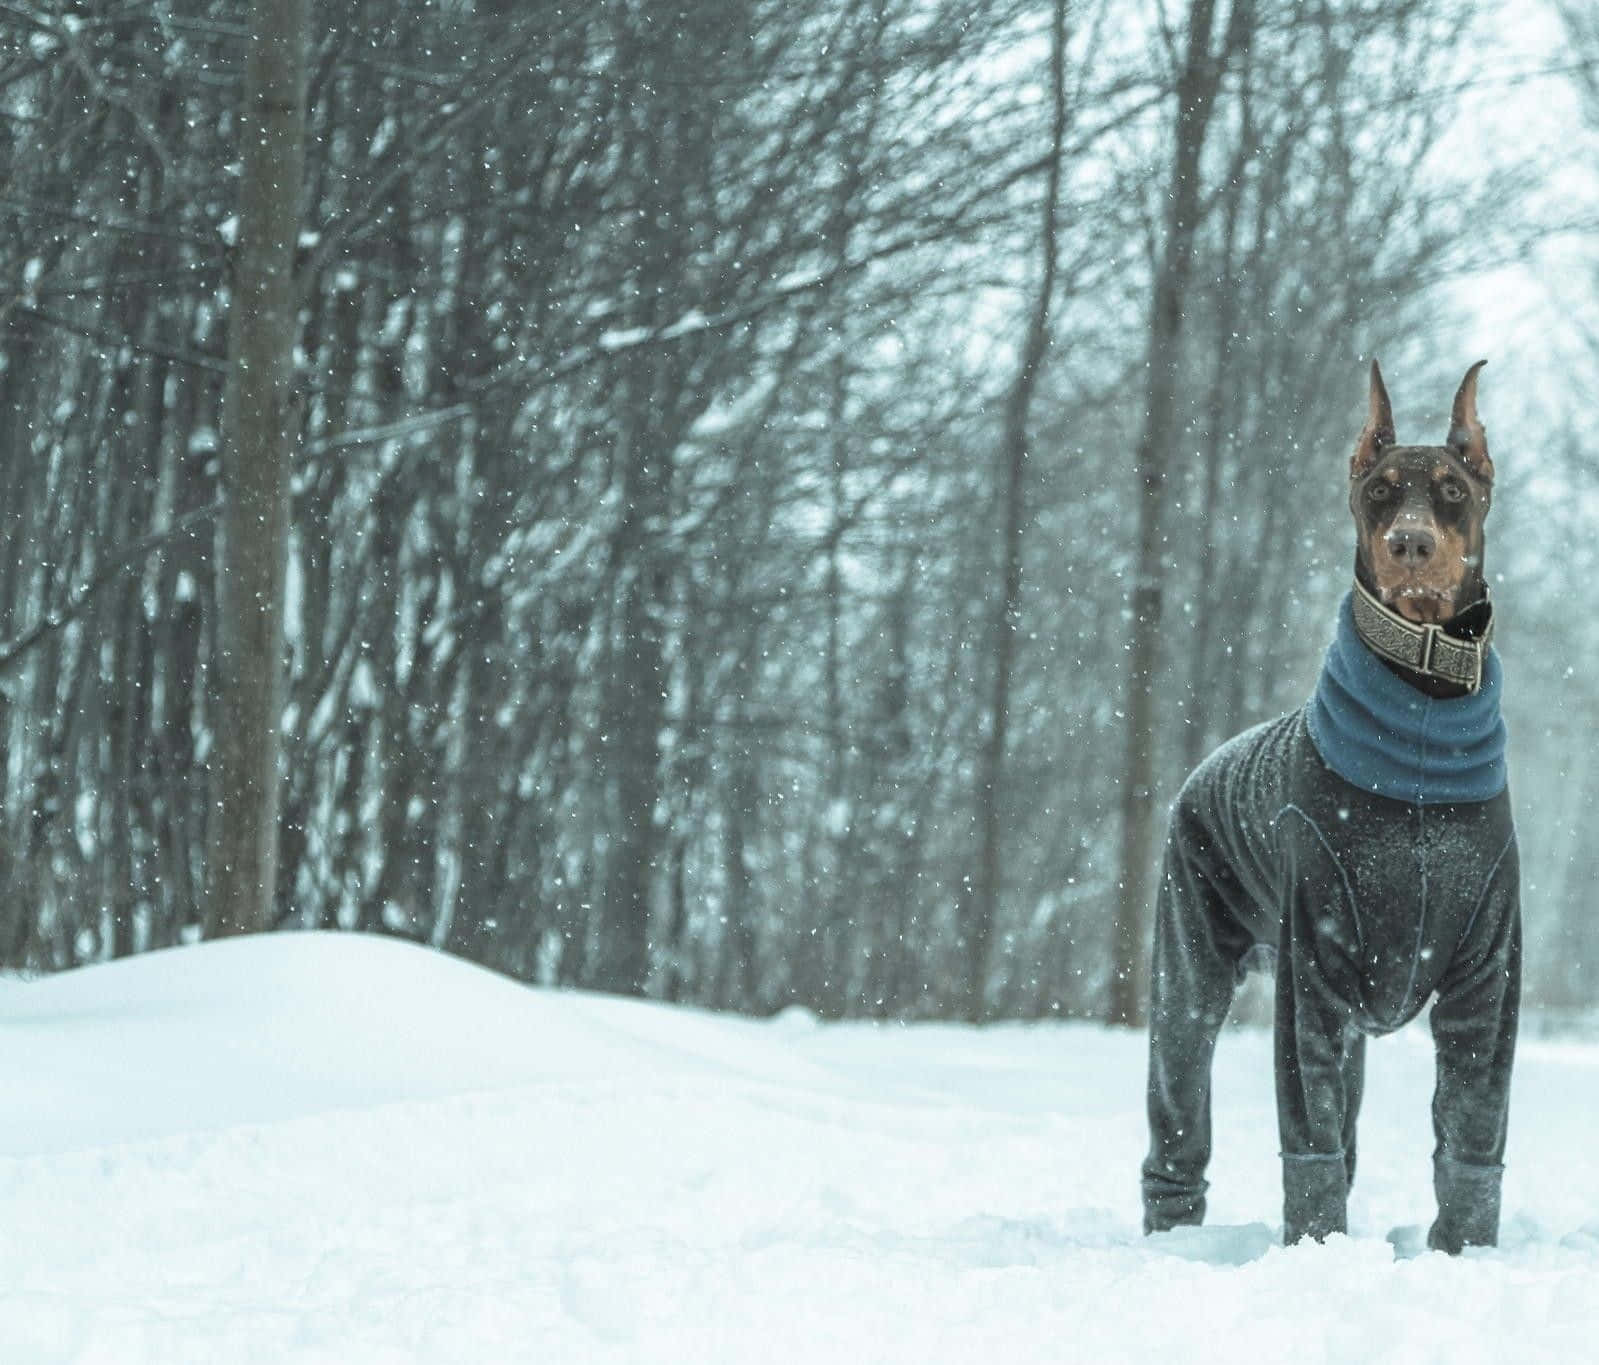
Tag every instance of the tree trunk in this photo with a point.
(739, 973)
(259, 430)
(635, 711)
(1196, 89)
(1220, 404)
(979, 931)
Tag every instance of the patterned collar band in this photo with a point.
(1422, 649)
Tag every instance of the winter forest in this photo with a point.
(748, 502)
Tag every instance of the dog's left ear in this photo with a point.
(1466, 436)
(1378, 433)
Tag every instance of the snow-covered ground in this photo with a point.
(345, 1150)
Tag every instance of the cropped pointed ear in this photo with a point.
(1378, 433)
(1466, 436)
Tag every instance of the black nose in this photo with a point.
(1411, 544)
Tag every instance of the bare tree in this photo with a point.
(979, 930)
(260, 427)
(1203, 64)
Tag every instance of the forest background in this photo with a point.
(751, 502)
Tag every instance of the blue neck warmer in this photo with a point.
(1380, 734)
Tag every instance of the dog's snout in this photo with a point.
(1411, 544)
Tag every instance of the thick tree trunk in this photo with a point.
(259, 430)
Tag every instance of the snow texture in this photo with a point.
(348, 1150)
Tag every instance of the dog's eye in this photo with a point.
(1452, 491)
(1379, 491)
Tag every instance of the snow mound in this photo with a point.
(335, 1150)
(261, 1029)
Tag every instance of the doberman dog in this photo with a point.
(1365, 844)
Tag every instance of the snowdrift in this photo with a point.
(258, 1030)
(323, 1148)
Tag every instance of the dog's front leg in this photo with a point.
(1474, 1030)
(1320, 1066)
(1199, 940)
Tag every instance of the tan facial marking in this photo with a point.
(1425, 591)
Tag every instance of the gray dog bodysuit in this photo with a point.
(1367, 840)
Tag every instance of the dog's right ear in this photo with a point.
(1378, 433)
(1466, 436)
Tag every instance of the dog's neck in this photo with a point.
(1440, 661)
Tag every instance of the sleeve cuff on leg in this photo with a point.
(1315, 1195)
(1468, 1204)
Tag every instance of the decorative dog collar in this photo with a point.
(1422, 649)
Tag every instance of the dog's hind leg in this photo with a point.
(1202, 932)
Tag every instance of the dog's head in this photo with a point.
(1419, 510)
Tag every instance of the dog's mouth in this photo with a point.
(1426, 606)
